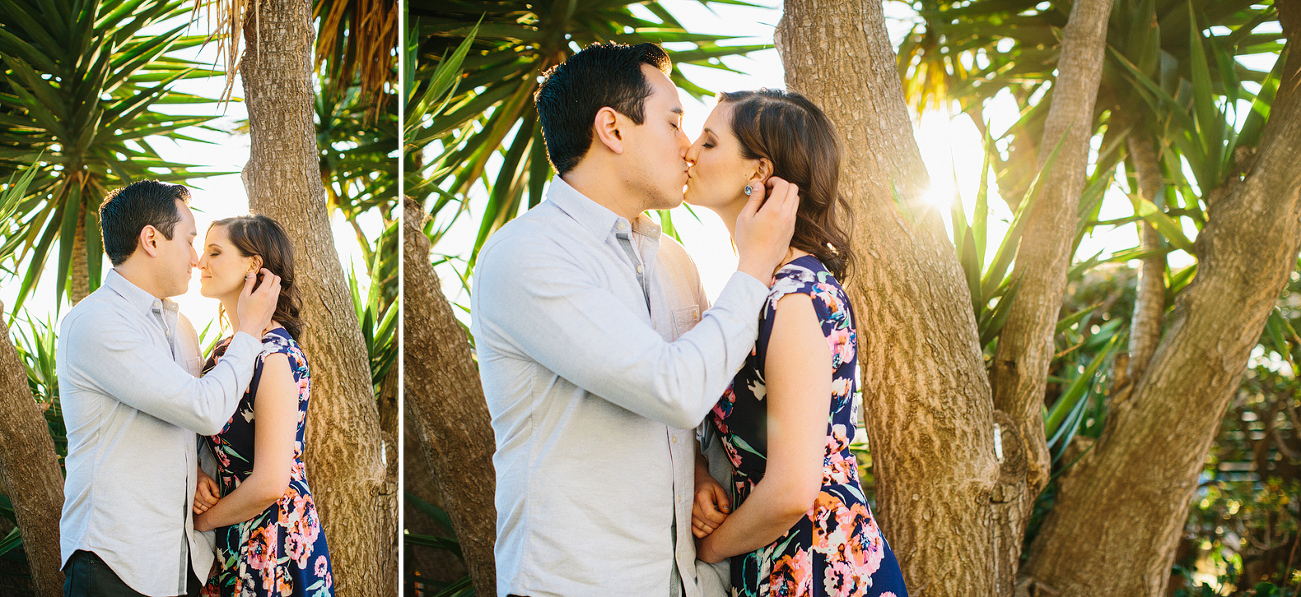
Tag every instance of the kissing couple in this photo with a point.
(609, 377)
(146, 414)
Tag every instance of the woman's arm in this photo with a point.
(798, 368)
(275, 415)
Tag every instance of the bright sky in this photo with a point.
(213, 198)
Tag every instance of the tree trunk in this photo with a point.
(926, 397)
(1142, 473)
(29, 469)
(424, 564)
(1149, 297)
(387, 403)
(1025, 346)
(345, 450)
(448, 410)
(78, 270)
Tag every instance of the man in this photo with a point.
(583, 319)
(128, 364)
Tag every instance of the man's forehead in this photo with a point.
(662, 88)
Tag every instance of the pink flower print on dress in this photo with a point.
(839, 579)
(261, 548)
(842, 351)
(285, 586)
(793, 575)
(869, 549)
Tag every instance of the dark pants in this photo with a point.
(86, 575)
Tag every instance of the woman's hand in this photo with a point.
(710, 507)
(206, 493)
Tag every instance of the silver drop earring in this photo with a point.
(749, 190)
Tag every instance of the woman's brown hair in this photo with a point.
(800, 141)
(262, 236)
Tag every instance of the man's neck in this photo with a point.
(139, 276)
(607, 191)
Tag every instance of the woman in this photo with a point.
(269, 538)
(802, 525)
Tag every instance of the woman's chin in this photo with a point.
(208, 290)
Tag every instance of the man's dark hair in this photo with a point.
(126, 211)
(573, 91)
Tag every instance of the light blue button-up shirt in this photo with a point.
(594, 396)
(132, 400)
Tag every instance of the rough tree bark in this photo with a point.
(448, 410)
(79, 267)
(1121, 510)
(1149, 298)
(421, 564)
(1025, 350)
(926, 397)
(345, 450)
(29, 470)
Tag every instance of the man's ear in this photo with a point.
(607, 129)
(148, 240)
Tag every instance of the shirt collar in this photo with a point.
(136, 296)
(594, 217)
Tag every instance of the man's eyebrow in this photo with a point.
(677, 110)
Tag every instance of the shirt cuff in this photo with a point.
(744, 289)
(241, 340)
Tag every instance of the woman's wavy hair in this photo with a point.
(800, 141)
(264, 237)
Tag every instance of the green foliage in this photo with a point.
(1172, 75)
(13, 193)
(357, 133)
(460, 118)
(448, 542)
(379, 322)
(77, 89)
(1170, 71)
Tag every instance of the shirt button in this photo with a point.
(639, 269)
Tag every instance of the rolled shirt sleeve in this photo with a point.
(106, 353)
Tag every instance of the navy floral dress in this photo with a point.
(836, 548)
(281, 551)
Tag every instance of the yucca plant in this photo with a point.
(357, 123)
(460, 587)
(1167, 80)
(379, 321)
(491, 111)
(356, 42)
(36, 346)
(360, 175)
(10, 198)
(79, 82)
